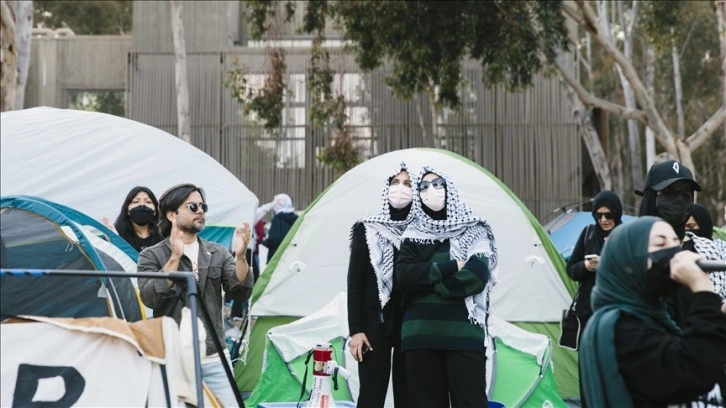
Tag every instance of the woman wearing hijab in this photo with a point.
(633, 353)
(374, 301)
(700, 222)
(281, 223)
(607, 210)
(136, 222)
(445, 269)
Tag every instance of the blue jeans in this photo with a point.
(216, 379)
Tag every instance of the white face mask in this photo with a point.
(434, 198)
(399, 196)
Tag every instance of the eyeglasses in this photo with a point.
(194, 207)
(608, 215)
(437, 183)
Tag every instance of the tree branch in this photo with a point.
(590, 100)
(699, 137)
(8, 16)
(654, 120)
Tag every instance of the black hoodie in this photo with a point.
(279, 227)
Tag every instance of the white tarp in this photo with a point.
(89, 161)
(297, 338)
(314, 266)
(92, 362)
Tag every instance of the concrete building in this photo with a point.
(529, 140)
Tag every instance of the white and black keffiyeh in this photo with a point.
(382, 235)
(468, 235)
(714, 251)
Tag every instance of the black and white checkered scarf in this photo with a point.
(714, 250)
(382, 235)
(468, 235)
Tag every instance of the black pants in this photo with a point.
(437, 377)
(375, 370)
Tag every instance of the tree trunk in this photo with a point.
(650, 86)
(680, 120)
(633, 139)
(591, 139)
(721, 16)
(8, 57)
(23, 35)
(636, 170)
(436, 140)
(421, 123)
(182, 88)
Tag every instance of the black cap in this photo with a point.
(662, 175)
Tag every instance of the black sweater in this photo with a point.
(664, 368)
(590, 241)
(364, 307)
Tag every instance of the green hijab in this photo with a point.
(621, 286)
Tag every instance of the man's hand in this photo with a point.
(176, 240)
(357, 342)
(106, 223)
(242, 236)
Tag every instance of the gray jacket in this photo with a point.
(217, 269)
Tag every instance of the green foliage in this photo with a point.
(268, 102)
(340, 153)
(89, 17)
(260, 13)
(426, 41)
(662, 22)
(111, 102)
(329, 110)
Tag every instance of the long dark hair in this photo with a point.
(123, 224)
(647, 206)
(171, 200)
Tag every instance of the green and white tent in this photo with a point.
(519, 369)
(312, 263)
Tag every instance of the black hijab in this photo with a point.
(704, 220)
(611, 201)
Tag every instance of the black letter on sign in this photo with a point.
(27, 385)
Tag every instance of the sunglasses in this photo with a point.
(437, 183)
(607, 215)
(194, 207)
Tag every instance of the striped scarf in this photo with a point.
(468, 235)
(382, 235)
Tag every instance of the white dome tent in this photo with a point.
(89, 161)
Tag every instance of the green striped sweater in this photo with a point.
(436, 316)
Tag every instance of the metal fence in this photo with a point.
(528, 140)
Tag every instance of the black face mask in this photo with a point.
(659, 274)
(141, 215)
(675, 208)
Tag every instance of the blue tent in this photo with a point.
(565, 229)
(38, 234)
